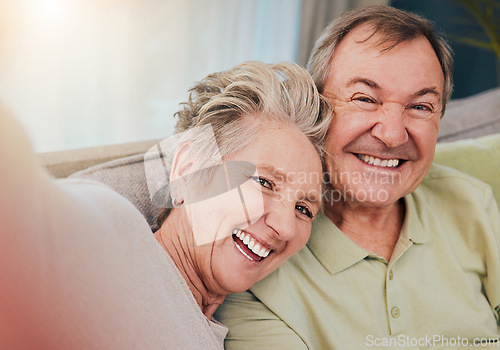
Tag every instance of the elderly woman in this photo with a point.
(244, 185)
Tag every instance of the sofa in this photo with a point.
(469, 140)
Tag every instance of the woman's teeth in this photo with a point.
(387, 163)
(251, 243)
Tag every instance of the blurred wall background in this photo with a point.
(472, 28)
(81, 73)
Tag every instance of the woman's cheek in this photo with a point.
(252, 201)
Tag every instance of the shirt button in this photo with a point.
(391, 275)
(395, 312)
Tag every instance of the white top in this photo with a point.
(80, 268)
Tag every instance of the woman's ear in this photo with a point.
(183, 162)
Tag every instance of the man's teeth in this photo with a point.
(251, 243)
(387, 163)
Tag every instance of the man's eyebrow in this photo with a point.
(374, 85)
(426, 91)
(365, 81)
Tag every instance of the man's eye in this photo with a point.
(423, 108)
(264, 182)
(304, 210)
(363, 99)
(420, 111)
(364, 102)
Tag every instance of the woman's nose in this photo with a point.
(280, 217)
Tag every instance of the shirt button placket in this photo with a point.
(395, 312)
(393, 295)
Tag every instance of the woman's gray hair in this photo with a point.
(394, 25)
(237, 103)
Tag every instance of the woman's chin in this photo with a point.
(236, 283)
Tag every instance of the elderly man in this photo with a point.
(396, 260)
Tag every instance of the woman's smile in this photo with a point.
(247, 245)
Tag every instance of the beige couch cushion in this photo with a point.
(472, 116)
(479, 157)
(64, 163)
(127, 177)
(469, 117)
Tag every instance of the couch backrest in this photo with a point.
(478, 157)
(469, 117)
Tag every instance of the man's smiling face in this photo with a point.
(387, 111)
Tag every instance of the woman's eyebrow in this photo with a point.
(312, 197)
(274, 171)
(314, 200)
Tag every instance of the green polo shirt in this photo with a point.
(440, 289)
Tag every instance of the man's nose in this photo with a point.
(390, 127)
(280, 217)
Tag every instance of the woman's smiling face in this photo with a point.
(261, 223)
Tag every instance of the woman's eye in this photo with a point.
(264, 182)
(304, 210)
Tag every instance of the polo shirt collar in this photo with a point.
(336, 252)
(412, 227)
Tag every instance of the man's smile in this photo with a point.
(385, 163)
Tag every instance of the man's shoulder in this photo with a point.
(443, 181)
(455, 204)
(438, 172)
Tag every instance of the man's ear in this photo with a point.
(183, 162)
